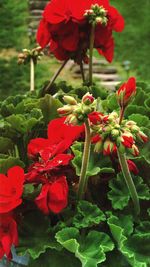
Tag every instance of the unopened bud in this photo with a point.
(98, 146)
(65, 110)
(70, 100)
(87, 99)
(108, 147)
(142, 137)
(71, 119)
(134, 150)
(115, 133)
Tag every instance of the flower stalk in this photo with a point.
(32, 86)
(91, 54)
(129, 181)
(86, 154)
(55, 76)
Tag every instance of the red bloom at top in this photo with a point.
(126, 92)
(61, 19)
(8, 235)
(11, 189)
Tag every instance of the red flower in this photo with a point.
(60, 20)
(142, 137)
(60, 138)
(126, 92)
(11, 189)
(53, 196)
(8, 235)
(127, 140)
(39, 172)
(95, 117)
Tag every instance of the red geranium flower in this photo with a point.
(53, 196)
(8, 235)
(60, 138)
(11, 189)
(60, 20)
(95, 117)
(39, 171)
(126, 92)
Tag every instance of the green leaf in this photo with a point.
(96, 162)
(87, 215)
(90, 249)
(134, 109)
(139, 97)
(49, 106)
(35, 235)
(17, 122)
(53, 258)
(141, 120)
(30, 191)
(119, 194)
(6, 144)
(6, 163)
(134, 246)
(112, 102)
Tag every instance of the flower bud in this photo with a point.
(127, 139)
(87, 99)
(71, 119)
(109, 147)
(142, 137)
(65, 110)
(134, 150)
(70, 100)
(126, 92)
(98, 146)
(115, 133)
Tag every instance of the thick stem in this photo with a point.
(129, 181)
(31, 75)
(92, 34)
(55, 76)
(82, 71)
(85, 161)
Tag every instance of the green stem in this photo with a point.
(129, 181)
(55, 76)
(85, 161)
(121, 115)
(31, 75)
(82, 71)
(91, 54)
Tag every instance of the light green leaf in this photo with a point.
(141, 120)
(90, 249)
(49, 106)
(119, 194)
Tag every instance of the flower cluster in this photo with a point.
(110, 135)
(66, 26)
(26, 55)
(77, 113)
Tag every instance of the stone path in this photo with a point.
(104, 73)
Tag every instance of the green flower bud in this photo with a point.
(70, 100)
(65, 110)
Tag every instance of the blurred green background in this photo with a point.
(133, 44)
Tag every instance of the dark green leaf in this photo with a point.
(35, 235)
(87, 215)
(6, 163)
(119, 194)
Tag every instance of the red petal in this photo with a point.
(41, 200)
(43, 33)
(58, 195)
